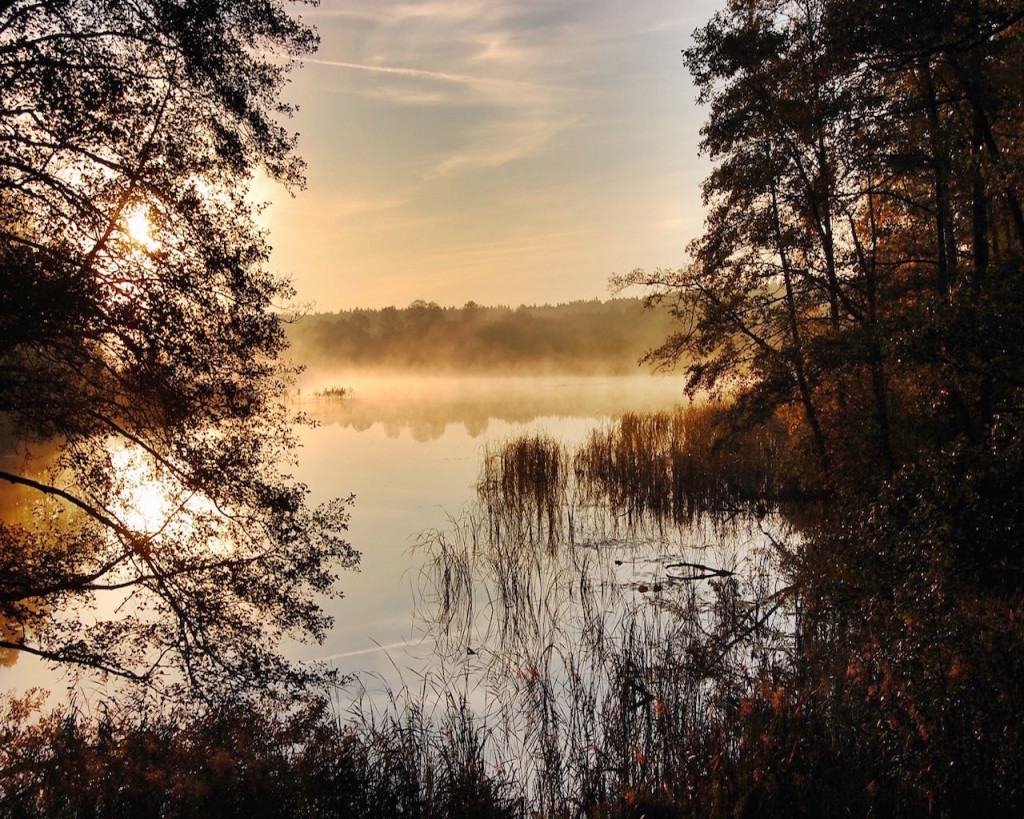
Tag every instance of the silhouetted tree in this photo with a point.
(148, 531)
(863, 245)
(861, 278)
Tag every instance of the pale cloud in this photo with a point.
(500, 142)
(344, 207)
(515, 118)
(392, 12)
(484, 84)
(534, 241)
(488, 56)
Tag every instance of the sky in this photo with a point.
(500, 151)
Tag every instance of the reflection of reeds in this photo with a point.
(600, 699)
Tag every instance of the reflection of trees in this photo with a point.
(426, 407)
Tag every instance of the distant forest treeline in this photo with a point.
(582, 336)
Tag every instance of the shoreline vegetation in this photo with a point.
(709, 682)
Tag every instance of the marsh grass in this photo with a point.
(523, 486)
(676, 466)
(609, 630)
(585, 664)
(601, 701)
(333, 393)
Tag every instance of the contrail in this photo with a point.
(445, 76)
(358, 652)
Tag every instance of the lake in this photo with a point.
(443, 603)
(411, 450)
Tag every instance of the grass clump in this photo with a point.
(523, 485)
(333, 393)
(677, 465)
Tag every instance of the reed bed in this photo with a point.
(333, 393)
(592, 659)
(607, 652)
(676, 466)
(645, 469)
(523, 486)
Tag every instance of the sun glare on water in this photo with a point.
(146, 505)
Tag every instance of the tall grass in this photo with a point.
(523, 485)
(613, 649)
(251, 763)
(334, 393)
(678, 465)
(660, 467)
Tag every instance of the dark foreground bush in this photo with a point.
(242, 763)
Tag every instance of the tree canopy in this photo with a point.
(148, 529)
(579, 337)
(860, 278)
(863, 244)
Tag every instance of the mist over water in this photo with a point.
(413, 449)
(425, 406)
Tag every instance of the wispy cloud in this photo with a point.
(505, 140)
(391, 13)
(498, 61)
(497, 139)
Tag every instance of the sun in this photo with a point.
(138, 227)
(150, 503)
(145, 504)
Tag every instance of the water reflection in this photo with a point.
(531, 593)
(573, 624)
(151, 501)
(544, 558)
(427, 406)
(411, 450)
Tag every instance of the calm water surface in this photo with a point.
(411, 451)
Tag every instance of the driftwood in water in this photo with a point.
(701, 571)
